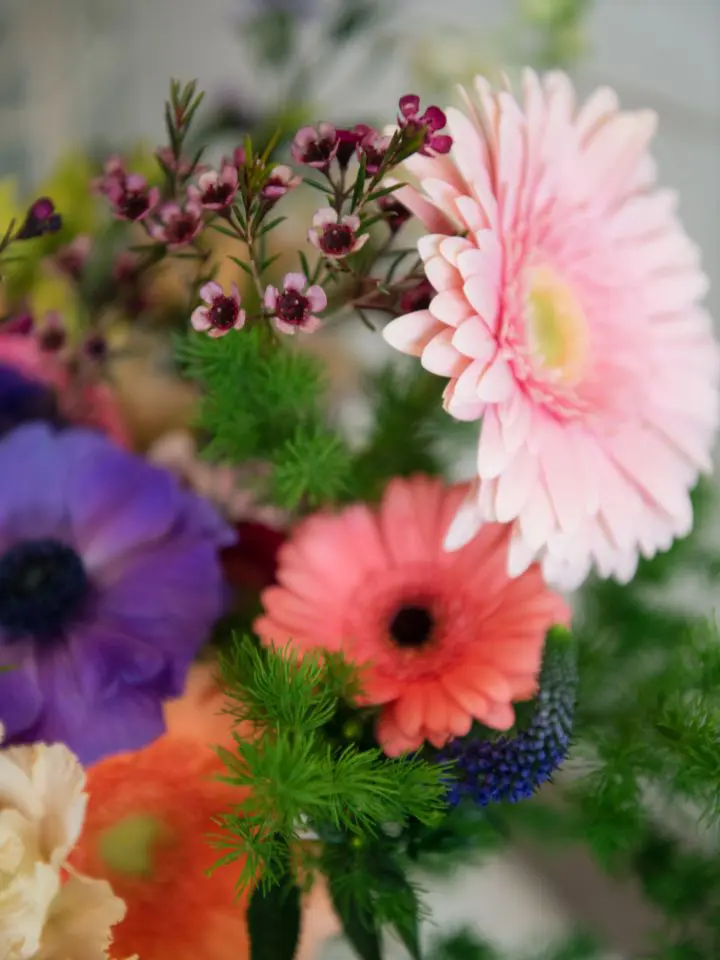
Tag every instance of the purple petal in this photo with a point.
(21, 700)
(108, 658)
(93, 729)
(117, 501)
(33, 485)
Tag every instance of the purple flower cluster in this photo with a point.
(510, 768)
(110, 582)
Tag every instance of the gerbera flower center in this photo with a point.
(43, 584)
(557, 327)
(412, 627)
(292, 307)
(337, 238)
(223, 313)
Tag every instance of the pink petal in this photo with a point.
(537, 519)
(352, 221)
(498, 383)
(311, 325)
(492, 455)
(426, 212)
(520, 555)
(317, 298)
(240, 322)
(200, 319)
(441, 357)
(450, 307)
(465, 524)
(314, 238)
(295, 281)
(515, 486)
(473, 339)
(483, 296)
(412, 332)
(324, 216)
(429, 245)
(460, 407)
(270, 298)
(466, 385)
(452, 247)
(211, 290)
(441, 275)
(287, 328)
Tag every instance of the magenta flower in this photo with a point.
(132, 198)
(431, 121)
(40, 219)
(336, 236)
(110, 582)
(373, 146)
(348, 141)
(216, 189)
(178, 225)
(315, 146)
(281, 180)
(294, 309)
(222, 312)
(417, 297)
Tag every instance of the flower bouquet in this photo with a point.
(295, 659)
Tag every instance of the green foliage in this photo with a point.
(301, 776)
(264, 401)
(464, 944)
(274, 921)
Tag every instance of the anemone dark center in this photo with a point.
(223, 313)
(319, 151)
(292, 307)
(412, 627)
(337, 238)
(43, 584)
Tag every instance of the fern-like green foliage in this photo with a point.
(302, 776)
(465, 944)
(265, 401)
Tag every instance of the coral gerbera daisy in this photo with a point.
(110, 582)
(444, 638)
(567, 316)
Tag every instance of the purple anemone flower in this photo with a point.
(110, 581)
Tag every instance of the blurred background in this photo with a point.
(88, 77)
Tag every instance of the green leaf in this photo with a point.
(359, 184)
(407, 926)
(360, 929)
(274, 921)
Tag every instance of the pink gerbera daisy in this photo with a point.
(444, 638)
(566, 315)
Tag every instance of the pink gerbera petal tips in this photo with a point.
(293, 308)
(566, 313)
(442, 638)
(221, 312)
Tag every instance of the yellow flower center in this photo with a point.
(556, 325)
(129, 846)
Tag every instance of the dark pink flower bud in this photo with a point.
(238, 157)
(336, 236)
(71, 260)
(348, 141)
(315, 146)
(22, 324)
(396, 214)
(40, 220)
(417, 297)
(112, 175)
(178, 225)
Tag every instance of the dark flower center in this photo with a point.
(412, 627)
(417, 298)
(337, 238)
(319, 151)
(223, 313)
(134, 205)
(218, 193)
(42, 588)
(182, 229)
(292, 307)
